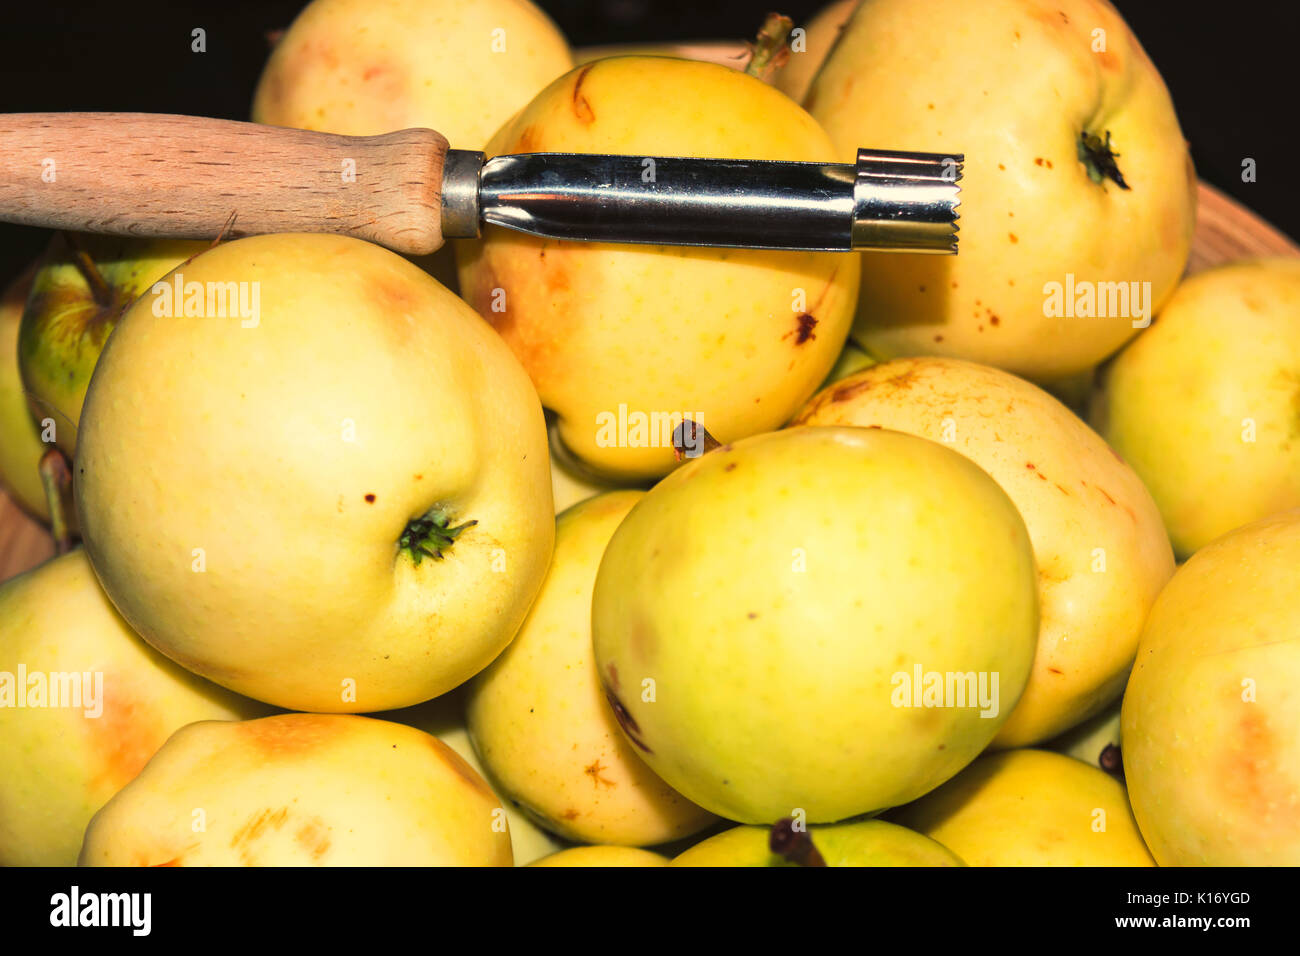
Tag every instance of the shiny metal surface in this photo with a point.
(889, 201)
(460, 209)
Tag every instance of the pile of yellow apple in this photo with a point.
(630, 553)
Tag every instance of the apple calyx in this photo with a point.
(794, 844)
(1098, 159)
(430, 536)
(772, 47)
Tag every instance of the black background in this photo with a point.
(1230, 71)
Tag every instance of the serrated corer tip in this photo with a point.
(906, 202)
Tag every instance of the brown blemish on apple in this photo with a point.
(1106, 495)
(938, 338)
(528, 140)
(730, 466)
(612, 669)
(845, 392)
(593, 771)
(313, 836)
(1248, 764)
(174, 861)
(581, 106)
(1055, 670)
(257, 824)
(370, 499)
(804, 325)
(1061, 488)
(570, 814)
(1012, 237)
(631, 729)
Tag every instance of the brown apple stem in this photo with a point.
(273, 37)
(691, 440)
(99, 288)
(772, 48)
(56, 479)
(794, 845)
(1112, 761)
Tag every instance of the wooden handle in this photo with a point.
(183, 177)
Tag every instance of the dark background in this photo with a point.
(1230, 72)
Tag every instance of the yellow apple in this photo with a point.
(84, 703)
(539, 718)
(444, 718)
(1206, 403)
(832, 620)
(1101, 551)
(1023, 88)
(602, 856)
(1031, 808)
(362, 67)
(21, 447)
(623, 341)
(337, 499)
(1210, 714)
(809, 52)
(864, 843)
(301, 790)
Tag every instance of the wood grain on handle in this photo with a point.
(182, 177)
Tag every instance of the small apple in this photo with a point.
(1209, 721)
(84, 704)
(84, 285)
(1078, 193)
(337, 499)
(1206, 403)
(864, 843)
(1100, 548)
(540, 720)
(21, 446)
(301, 790)
(1031, 808)
(625, 341)
(602, 856)
(828, 619)
(462, 67)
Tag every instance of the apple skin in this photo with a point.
(1210, 750)
(1012, 85)
(1030, 808)
(1224, 352)
(539, 718)
(865, 843)
(363, 67)
(602, 856)
(444, 718)
(243, 485)
(58, 765)
(64, 327)
(736, 339)
(301, 790)
(1081, 504)
(21, 447)
(752, 614)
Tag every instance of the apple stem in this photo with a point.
(691, 440)
(794, 844)
(99, 288)
(772, 48)
(430, 536)
(1112, 761)
(56, 479)
(1099, 159)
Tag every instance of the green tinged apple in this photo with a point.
(1205, 404)
(865, 843)
(84, 285)
(21, 447)
(1211, 754)
(758, 619)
